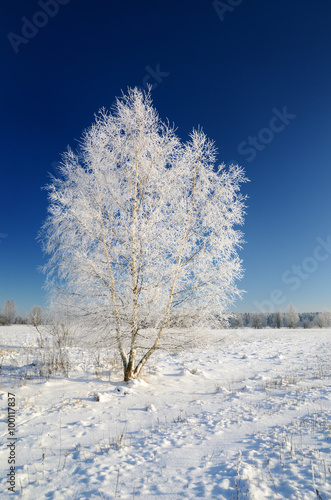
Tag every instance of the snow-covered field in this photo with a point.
(245, 416)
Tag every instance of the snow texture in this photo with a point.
(246, 417)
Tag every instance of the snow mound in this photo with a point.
(193, 371)
(122, 390)
(137, 382)
(102, 397)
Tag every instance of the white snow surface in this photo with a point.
(247, 415)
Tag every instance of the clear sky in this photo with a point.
(255, 75)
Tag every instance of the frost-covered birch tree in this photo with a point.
(292, 317)
(10, 311)
(142, 230)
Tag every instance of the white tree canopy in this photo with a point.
(141, 228)
(10, 311)
(292, 317)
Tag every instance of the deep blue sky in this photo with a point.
(231, 72)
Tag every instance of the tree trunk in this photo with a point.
(128, 372)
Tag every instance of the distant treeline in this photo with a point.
(9, 315)
(290, 319)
